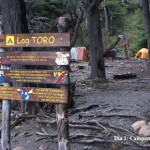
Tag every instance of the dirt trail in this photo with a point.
(103, 113)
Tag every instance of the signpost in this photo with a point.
(44, 58)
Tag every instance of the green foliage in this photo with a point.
(48, 7)
(135, 30)
(126, 19)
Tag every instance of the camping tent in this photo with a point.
(142, 53)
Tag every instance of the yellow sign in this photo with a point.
(10, 40)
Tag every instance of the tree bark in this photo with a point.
(107, 18)
(146, 20)
(13, 22)
(95, 38)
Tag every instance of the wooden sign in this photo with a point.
(34, 94)
(35, 58)
(35, 40)
(34, 76)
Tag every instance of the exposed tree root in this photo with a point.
(73, 111)
(84, 126)
(111, 115)
(47, 121)
(20, 119)
(96, 140)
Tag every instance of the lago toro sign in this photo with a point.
(35, 40)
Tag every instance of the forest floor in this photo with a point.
(103, 113)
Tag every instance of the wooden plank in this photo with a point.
(34, 76)
(35, 58)
(51, 95)
(35, 40)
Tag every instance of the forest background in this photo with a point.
(118, 17)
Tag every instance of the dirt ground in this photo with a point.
(103, 113)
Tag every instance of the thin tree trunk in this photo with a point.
(146, 20)
(107, 18)
(73, 40)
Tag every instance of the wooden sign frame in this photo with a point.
(35, 58)
(35, 40)
(52, 95)
(35, 76)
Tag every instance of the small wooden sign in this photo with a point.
(34, 94)
(34, 76)
(35, 40)
(35, 58)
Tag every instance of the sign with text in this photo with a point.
(51, 95)
(35, 58)
(34, 76)
(35, 40)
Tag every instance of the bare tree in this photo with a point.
(95, 38)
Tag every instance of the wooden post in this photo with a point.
(5, 134)
(62, 109)
(126, 46)
(6, 111)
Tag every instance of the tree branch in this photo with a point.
(77, 27)
(112, 46)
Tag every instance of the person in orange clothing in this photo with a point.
(142, 53)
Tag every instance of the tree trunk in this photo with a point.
(10, 11)
(107, 18)
(146, 19)
(14, 21)
(95, 38)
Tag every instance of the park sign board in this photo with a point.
(34, 58)
(35, 40)
(52, 95)
(34, 76)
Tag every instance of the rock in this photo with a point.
(144, 131)
(137, 125)
(42, 147)
(87, 147)
(18, 148)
